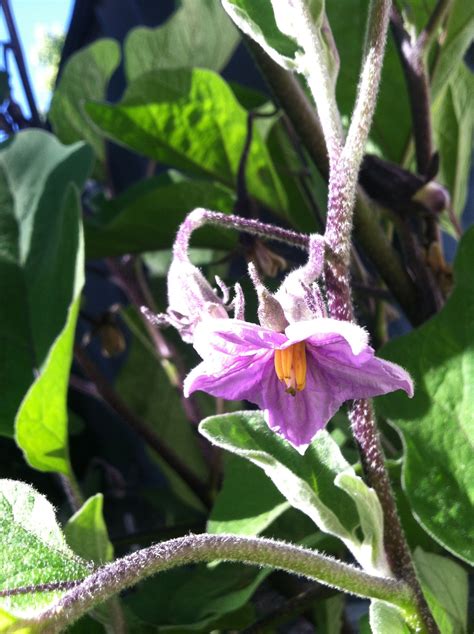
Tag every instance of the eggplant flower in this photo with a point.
(299, 377)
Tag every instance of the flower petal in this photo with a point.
(324, 330)
(232, 338)
(298, 418)
(359, 376)
(240, 380)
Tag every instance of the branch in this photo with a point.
(110, 396)
(123, 573)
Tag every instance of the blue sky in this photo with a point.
(32, 16)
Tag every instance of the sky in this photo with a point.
(33, 18)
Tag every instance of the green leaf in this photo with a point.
(445, 586)
(198, 34)
(190, 119)
(85, 76)
(41, 428)
(321, 483)
(328, 615)
(86, 532)
(456, 40)
(438, 471)
(33, 551)
(159, 405)
(257, 20)
(41, 269)
(193, 598)
(453, 128)
(147, 215)
(386, 619)
(259, 502)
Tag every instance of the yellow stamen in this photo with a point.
(299, 365)
(290, 367)
(279, 364)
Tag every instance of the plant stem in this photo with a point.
(110, 396)
(368, 232)
(110, 579)
(343, 173)
(416, 78)
(199, 217)
(133, 284)
(365, 431)
(435, 20)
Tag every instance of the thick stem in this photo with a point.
(365, 431)
(112, 578)
(110, 396)
(416, 77)
(342, 183)
(368, 232)
(345, 170)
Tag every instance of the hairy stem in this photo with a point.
(344, 174)
(199, 217)
(368, 232)
(342, 186)
(112, 578)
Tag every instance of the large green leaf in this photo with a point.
(147, 215)
(190, 119)
(438, 423)
(41, 425)
(40, 256)
(453, 127)
(198, 34)
(445, 585)
(33, 550)
(321, 483)
(259, 501)
(85, 76)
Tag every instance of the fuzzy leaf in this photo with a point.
(312, 483)
(437, 424)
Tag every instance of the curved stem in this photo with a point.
(112, 578)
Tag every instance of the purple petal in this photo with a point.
(231, 338)
(298, 418)
(240, 380)
(358, 376)
(323, 330)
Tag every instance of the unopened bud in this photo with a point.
(270, 312)
(191, 298)
(434, 197)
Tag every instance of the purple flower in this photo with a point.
(299, 378)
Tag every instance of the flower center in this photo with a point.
(290, 367)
